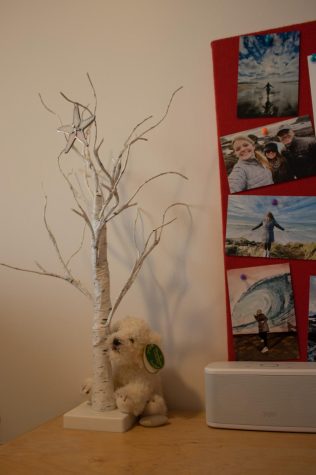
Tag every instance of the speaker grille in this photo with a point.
(261, 400)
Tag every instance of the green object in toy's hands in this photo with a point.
(153, 358)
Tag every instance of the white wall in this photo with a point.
(137, 53)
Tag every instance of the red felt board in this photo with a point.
(225, 53)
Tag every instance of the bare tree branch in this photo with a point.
(137, 267)
(163, 117)
(75, 102)
(80, 246)
(40, 267)
(75, 283)
(130, 142)
(110, 216)
(69, 277)
(94, 93)
(48, 108)
(133, 131)
(83, 213)
(54, 242)
(99, 162)
(152, 241)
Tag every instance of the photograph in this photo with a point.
(311, 337)
(262, 313)
(270, 154)
(281, 227)
(268, 75)
(312, 79)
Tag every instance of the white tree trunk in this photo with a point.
(102, 387)
(104, 210)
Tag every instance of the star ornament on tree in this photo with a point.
(76, 129)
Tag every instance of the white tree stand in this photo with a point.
(85, 418)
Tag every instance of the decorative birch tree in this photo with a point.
(96, 191)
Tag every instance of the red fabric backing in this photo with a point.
(225, 66)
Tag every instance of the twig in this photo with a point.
(147, 249)
(128, 143)
(75, 102)
(54, 242)
(134, 130)
(164, 116)
(138, 215)
(94, 93)
(48, 108)
(80, 247)
(127, 204)
(97, 157)
(40, 267)
(68, 279)
(75, 195)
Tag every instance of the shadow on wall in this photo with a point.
(162, 301)
(173, 385)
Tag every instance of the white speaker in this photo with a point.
(261, 396)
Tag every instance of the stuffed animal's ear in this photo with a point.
(154, 338)
(126, 322)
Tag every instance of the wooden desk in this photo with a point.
(186, 446)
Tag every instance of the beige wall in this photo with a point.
(137, 53)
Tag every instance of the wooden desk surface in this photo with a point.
(185, 446)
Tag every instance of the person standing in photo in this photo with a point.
(268, 223)
(252, 169)
(300, 152)
(263, 328)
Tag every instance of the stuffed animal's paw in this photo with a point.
(155, 405)
(128, 403)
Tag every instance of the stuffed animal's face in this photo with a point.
(128, 340)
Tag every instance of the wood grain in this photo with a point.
(185, 446)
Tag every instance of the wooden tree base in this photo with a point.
(85, 418)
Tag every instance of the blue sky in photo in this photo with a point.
(271, 57)
(297, 214)
(312, 295)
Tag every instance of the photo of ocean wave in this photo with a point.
(267, 290)
(274, 296)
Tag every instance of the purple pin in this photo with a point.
(243, 277)
(274, 202)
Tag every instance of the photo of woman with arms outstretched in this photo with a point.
(268, 224)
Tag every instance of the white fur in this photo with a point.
(137, 391)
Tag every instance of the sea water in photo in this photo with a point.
(268, 75)
(296, 214)
(272, 294)
(253, 100)
(267, 291)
